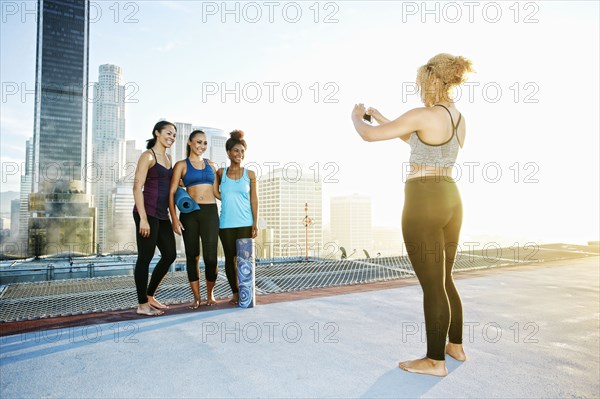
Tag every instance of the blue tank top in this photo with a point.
(194, 176)
(236, 210)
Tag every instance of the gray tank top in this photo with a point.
(435, 154)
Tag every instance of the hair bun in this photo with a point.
(452, 70)
(237, 135)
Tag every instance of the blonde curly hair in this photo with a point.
(440, 75)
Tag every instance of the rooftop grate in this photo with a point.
(36, 300)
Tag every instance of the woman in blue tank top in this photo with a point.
(198, 176)
(239, 205)
(432, 215)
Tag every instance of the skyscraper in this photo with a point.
(61, 217)
(132, 155)
(177, 150)
(15, 206)
(282, 196)
(60, 119)
(351, 223)
(25, 190)
(120, 204)
(108, 144)
(120, 222)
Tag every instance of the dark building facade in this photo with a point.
(64, 224)
(61, 217)
(60, 124)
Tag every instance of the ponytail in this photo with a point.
(150, 143)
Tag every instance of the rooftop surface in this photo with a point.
(530, 331)
(57, 298)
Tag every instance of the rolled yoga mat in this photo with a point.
(184, 202)
(246, 276)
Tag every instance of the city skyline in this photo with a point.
(286, 199)
(508, 180)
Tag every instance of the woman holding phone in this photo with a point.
(432, 215)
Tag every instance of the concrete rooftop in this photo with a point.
(530, 331)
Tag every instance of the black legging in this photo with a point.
(201, 224)
(431, 222)
(161, 236)
(228, 240)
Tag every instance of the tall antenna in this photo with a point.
(307, 222)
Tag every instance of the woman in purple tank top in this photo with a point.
(151, 216)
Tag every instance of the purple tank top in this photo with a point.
(156, 192)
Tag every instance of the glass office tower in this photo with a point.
(60, 124)
(61, 218)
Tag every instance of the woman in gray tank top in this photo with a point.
(432, 214)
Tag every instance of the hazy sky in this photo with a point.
(289, 73)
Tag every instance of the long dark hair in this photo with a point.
(235, 137)
(158, 127)
(192, 135)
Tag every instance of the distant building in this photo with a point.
(25, 190)
(60, 115)
(388, 241)
(178, 149)
(108, 143)
(62, 219)
(132, 155)
(282, 198)
(4, 230)
(15, 209)
(121, 225)
(121, 235)
(351, 223)
(61, 223)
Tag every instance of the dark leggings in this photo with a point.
(228, 240)
(431, 222)
(201, 224)
(161, 236)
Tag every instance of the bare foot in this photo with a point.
(196, 304)
(235, 299)
(211, 301)
(146, 310)
(155, 304)
(456, 351)
(425, 366)
(210, 298)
